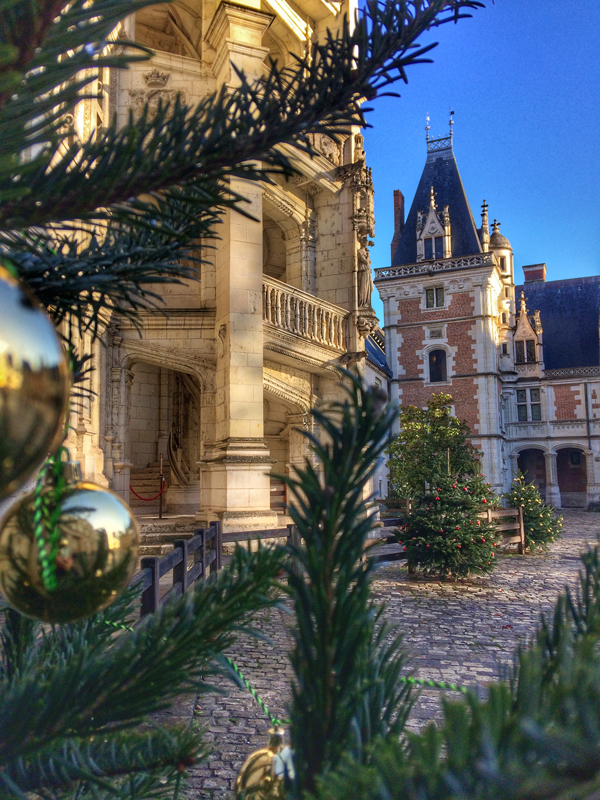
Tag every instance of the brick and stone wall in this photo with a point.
(568, 402)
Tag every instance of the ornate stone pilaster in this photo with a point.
(593, 486)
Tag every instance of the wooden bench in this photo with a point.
(517, 526)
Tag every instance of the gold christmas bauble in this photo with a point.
(34, 385)
(95, 558)
(262, 774)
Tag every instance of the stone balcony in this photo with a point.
(441, 265)
(302, 327)
(543, 429)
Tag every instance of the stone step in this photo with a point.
(175, 522)
(166, 537)
(155, 549)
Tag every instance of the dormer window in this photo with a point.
(434, 244)
(434, 233)
(525, 351)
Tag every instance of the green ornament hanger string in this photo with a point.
(275, 721)
(46, 515)
(426, 683)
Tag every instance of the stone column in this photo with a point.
(514, 466)
(236, 479)
(593, 487)
(552, 488)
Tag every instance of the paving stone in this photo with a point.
(463, 632)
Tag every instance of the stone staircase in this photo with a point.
(157, 535)
(146, 482)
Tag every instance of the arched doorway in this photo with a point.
(572, 477)
(163, 420)
(532, 465)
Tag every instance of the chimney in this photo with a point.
(398, 219)
(535, 273)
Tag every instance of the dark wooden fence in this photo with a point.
(205, 546)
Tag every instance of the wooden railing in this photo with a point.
(206, 548)
(298, 312)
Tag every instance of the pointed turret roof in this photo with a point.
(441, 172)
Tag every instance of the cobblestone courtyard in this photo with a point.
(464, 633)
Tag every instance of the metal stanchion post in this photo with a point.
(162, 483)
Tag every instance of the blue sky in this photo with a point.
(523, 78)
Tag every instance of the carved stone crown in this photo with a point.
(155, 79)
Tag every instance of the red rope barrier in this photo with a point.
(148, 499)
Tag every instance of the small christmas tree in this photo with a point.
(542, 524)
(433, 462)
(432, 445)
(444, 534)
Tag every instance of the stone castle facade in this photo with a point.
(219, 387)
(522, 362)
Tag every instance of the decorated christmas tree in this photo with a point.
(444, 533)
(542, 523)
(433, 463)
(433, 444)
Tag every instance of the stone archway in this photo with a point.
(572, 477)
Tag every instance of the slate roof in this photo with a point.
(376, 355)
(497, 240)
(442, 173)
(569, 315)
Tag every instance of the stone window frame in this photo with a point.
(438, 345)
(529, 398)
(435, 290)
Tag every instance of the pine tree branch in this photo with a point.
(81, 686)
(107, 756)
(346, 661)
(225, 130)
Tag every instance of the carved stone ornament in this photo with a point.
(348, 359)
(156, 79)
(366, 322)
(363, 216)
(154, 97)
(326, 146)
(66, 124)
(365, 282)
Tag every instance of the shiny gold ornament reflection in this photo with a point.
(262, 774)
(34, 385)
(95, 558)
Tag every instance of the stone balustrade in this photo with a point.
(294, 311)
(443, 265)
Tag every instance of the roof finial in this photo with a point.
(427, 127)
(432, 198)
(523, 305)
(485, 227)
(496, 226)
(451, 124)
